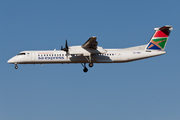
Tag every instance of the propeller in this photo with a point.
(66, 48)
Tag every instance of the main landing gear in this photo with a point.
(90, 64)
(85, 68)
(88, 58)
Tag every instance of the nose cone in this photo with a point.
(11, 60)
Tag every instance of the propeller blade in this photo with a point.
(66, 47)
(66, 44)
(61, 47)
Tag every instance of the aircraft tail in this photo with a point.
(159, 39)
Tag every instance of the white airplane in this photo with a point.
(90, 53)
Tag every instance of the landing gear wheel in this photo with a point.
(85, 69)
(90, 64)
(16, 67)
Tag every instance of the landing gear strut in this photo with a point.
(85, 68)
(16, 67)
(88, 58)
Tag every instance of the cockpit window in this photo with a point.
(21, 54)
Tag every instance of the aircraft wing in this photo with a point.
(89, 47)
(91, 43)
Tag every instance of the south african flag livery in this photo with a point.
(159, 39)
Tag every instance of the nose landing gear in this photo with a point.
(16, 67)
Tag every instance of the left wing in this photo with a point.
(91, 43)
(88, 48)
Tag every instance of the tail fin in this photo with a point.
(159, 39)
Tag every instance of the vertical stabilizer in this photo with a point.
(159, 39)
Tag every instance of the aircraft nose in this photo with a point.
(11, 60)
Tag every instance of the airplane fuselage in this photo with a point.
(90, 53)
(59, 56)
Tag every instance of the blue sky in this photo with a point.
(140, 90)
